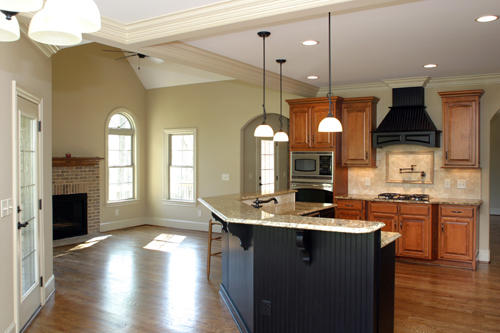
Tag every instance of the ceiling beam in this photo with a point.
(189, 55)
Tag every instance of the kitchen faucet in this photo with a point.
(258, 203)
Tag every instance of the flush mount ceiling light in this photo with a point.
(313, 77)
(330, 123)
(310, 42)
(60, 22)
(281, 135)
(486, 18)
(264, 130)
(430, 66)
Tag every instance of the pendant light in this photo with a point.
(264, 130)
(281, 135)
(330, 123)
(21, 5)
(9, 28)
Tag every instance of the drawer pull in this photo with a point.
(457, 212)
(349, 205)
(400, 225)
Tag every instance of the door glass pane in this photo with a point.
(267, 166)
(28, 201)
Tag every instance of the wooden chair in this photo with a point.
(211, 238)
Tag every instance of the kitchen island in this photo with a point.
(288, 273)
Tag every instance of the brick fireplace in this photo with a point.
(80, 175)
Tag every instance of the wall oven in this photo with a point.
(314, 170)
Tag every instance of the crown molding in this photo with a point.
(198, 58)
(463, 80)
(47, 50)
(417, 81)
(221, 17)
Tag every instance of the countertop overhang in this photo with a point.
(231, 209)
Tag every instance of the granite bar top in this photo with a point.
(297, 208)
(439, 201)
(247, 196)
(231, 209)
(387, 238)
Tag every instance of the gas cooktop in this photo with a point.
(404, 197)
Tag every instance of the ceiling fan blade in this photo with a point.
(127, 56)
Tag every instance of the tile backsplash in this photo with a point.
(446, 181)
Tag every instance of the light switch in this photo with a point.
(447, 183)
(117, 212)
(225, 177)
(461, 183)
(4, 208)
(368, 181)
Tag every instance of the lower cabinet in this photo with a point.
(456, 238)
(350, 209)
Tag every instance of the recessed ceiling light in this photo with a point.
(313, 77)
(310, 42)
(487, 18)
(428, 66)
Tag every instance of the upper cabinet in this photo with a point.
(305, 116)
(461, 128)
(358, 121)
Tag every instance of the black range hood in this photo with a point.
(407, 121)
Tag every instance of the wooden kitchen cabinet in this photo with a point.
(461, 128)
(305, 116)
(350, 209)
(386, 212)
(358, 121)
(457, 230)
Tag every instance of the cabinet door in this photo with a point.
(299, 127)
(460, 134)
(390, 220)
(415, 236)
(318, 139)
(356, 135)
(349, 214)
(455, 238)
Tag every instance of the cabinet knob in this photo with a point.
(400, 225)
(442, 227)
(366, 155)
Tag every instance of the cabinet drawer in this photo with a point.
(415, 209)
(384, 207)
(350, 204)
(459, 211)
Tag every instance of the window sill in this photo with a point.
(122, 202)
(179, 203)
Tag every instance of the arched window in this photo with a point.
(121, 158)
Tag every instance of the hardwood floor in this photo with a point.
(130, 282)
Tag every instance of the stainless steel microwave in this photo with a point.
(314, 167)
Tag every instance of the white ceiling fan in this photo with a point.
(139, 56)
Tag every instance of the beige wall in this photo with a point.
(22, 62)
(478, 182)
(495, 164)
(218, 111)
(88, 85)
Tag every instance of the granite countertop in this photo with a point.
(298, 208)
(231, 209)
(387, 238)
(247, 196)
(439, 201)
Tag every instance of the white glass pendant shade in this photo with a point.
(87, 15)
(52, 25)
(21, 5)
(330, 124)
(263, 131)
(9, 29)
(280, 137)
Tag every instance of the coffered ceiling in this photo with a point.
(372, 39)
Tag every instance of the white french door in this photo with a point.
(28, 210)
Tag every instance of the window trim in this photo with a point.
(166, 166)
(133, 132)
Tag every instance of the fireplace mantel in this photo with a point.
(75, 161)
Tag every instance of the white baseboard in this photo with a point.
(49, 288)
(180, 224)
(121, 224)
(11, 328)
(484, 256)
(494, 211)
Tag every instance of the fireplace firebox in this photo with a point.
(70, 215)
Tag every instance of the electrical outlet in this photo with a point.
(199, 212)
(225, 177)
(368, 181)
(4, 208)
(447, 183)
(461, 183)
(117, 212)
